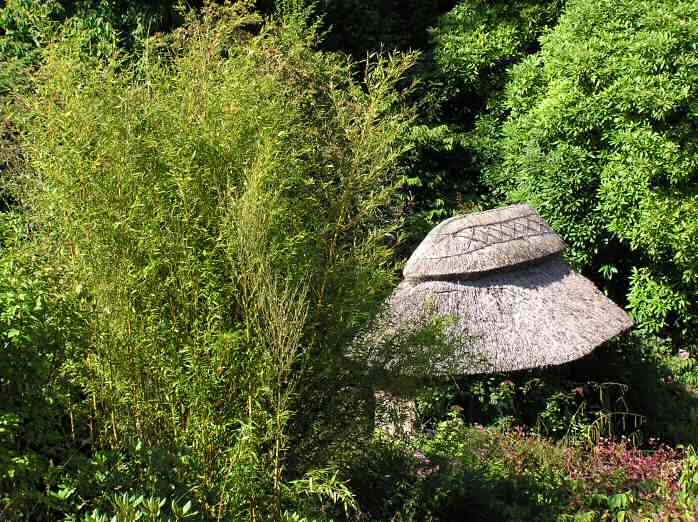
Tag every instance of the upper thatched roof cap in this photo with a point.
(469, 246)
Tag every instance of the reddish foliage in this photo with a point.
(612, 467)
(625, 464)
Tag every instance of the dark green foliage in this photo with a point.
(477, 41)
(460, 103)
(475, 46)
(602, 140)
(363, 26)
(77, 483)
(574, 404)
(26, 26)
(633, 388)
(40, 338)
(661, 386)
(460, 473)
(476, 473)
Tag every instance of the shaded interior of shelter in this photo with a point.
(596, 367)
(599, 364)
(652, 403)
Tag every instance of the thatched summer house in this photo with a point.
(496, 287)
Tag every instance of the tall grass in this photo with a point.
(222, 204)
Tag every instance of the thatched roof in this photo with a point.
(471, 245)
(534, 311)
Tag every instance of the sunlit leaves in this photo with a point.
(601, 138)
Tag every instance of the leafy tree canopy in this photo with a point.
(601, 138)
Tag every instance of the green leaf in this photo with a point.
(12, 333)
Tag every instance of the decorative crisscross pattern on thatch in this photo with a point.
(481, 236)
(473, 245)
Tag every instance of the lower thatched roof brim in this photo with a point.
(536, 316)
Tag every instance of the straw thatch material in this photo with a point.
(539, 315)
(507, 298)
(472, 245)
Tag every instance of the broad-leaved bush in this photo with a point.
(601, 139)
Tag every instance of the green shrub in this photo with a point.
(25, 26)
(129, 508)
(462, 79)
(477, 41)
(40, 336)
(222, 203)
(492, 474)
(461, 473)
(601, 140)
